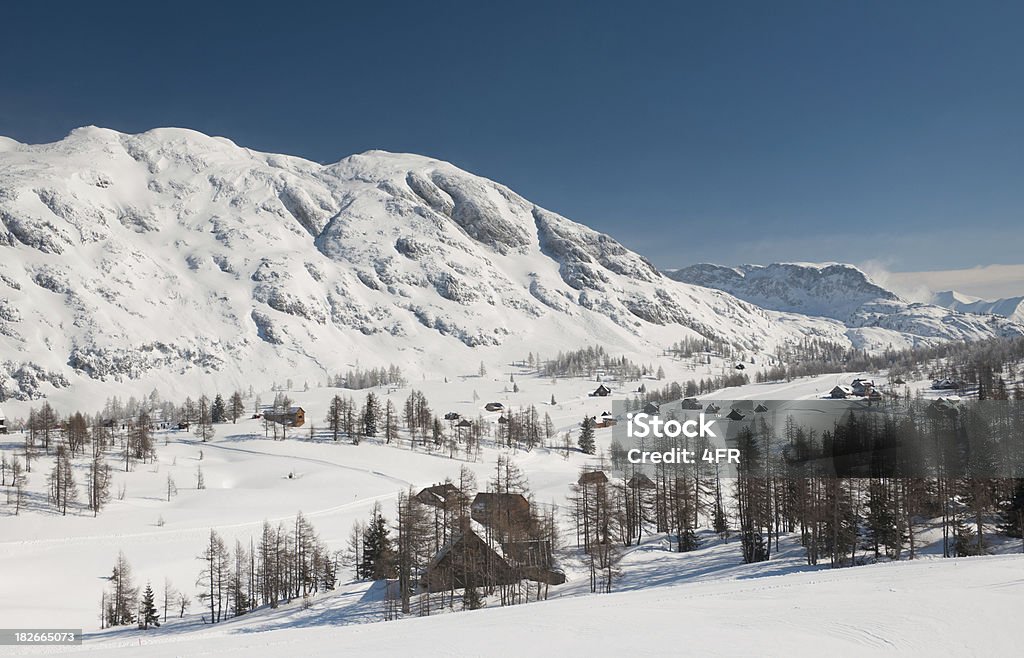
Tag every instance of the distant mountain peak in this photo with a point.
(821, 289)
(1007, 307)
(841, 292)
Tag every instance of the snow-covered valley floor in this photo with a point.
(53, 568)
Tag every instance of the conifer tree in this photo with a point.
(378, 552)
(218, 411)
(586, 441)
(148, 615)
(371, 414)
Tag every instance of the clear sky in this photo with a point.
(750, 131)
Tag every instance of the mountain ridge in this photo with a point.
(173, 251)
(838, 291)
(171, 254)
(1008, 307)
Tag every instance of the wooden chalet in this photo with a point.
(592, 478)
(840, 392)
(641, 481)
(501, 510)
(468, 561)
(862, 386)
(734, 414)
(760, 409)
(943, 408)
(601, 391)
(292, 417)
(445, 495)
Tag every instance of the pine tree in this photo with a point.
(237, 406)
(378, 552)
(371, 413)
(586, 441)
(218, 411)
(148, 615)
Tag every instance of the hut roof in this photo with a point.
(592, 477)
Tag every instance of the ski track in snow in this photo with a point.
(204, 529)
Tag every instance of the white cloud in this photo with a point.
(988, 281)
(908, 287)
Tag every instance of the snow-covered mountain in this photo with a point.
(171, 252)
(844, 293)
(1008, 307)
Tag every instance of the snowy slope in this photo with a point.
(884, 609)
(721, 605)
(842, 292)
(172, 253)
(1008, 307)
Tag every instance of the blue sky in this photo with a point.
(753, 131)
